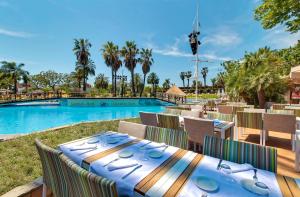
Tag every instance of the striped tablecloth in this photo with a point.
(172, 174)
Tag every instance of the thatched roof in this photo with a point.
(174, 90)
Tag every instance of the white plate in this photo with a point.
(249, 185)
(93, 141)
(155, 154)
(206, 184)
(125, 154)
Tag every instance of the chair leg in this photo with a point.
(261, 137)
(293, 142)
(44, 190)
(266, 135)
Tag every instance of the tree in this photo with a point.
(154, 81)
(130, 52)
(138, 82)
(77, 75)
(213, 82)
(166, 85)
(111, 55)
(48, 79)
(204, 72)
(274, 12)
(220, 80)
(26, 80)
(101, 82)
(13, 71)
(146, 60)
(182, 77)
(188, 75)
(194, 84)
(84, 64)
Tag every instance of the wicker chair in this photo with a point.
(149, 119)
(224, 109)
(194, 113)
(168, 121)
(220, 116)
(172, 137)
(258, 156)
(133, 129)
(252, 120)
(281, 123)
(172, 111)
(197, 129)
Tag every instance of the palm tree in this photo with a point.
(86, 70)
(204, 72)
(146, 60)
(182, 77)
(154, 80)
(13, 71)
(166, 85)
(138, 82)
(84, 63)
(130, 52)
(213, 82)
(188, 75)
(78, 76)
(111, 55)
(26, 79)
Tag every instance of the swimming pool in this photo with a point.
(26, 118)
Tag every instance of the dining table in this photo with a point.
(145, 168)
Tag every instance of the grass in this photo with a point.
(19, 160)
(203, 96)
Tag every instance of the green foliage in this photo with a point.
(154, 80)
(101, 82)
(146, 60)
(19, 160)
(274, 12)
(258, 77)
(203, 96)
(48, 79)
(166, 85)
(204, 72)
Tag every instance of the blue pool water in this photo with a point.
(27, 119)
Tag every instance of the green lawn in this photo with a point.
(19, 161)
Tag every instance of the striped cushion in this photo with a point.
(52, 170)
(238, 108)
(261, 157)
(168, 121)
(251, 120)
(171, 137)
(219, 116)
(84, 183)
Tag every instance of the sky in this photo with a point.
(41, 33)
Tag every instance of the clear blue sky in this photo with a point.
(40, 33)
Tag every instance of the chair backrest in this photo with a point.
(149, 118)
(254, 110)
(83, 183)
(280, 111)
(194, 113)
(219, 116)
(197, 107)
(224, 109)
(236, 109)
(251, 120)
(168, 121)
(198, 128)
(278, 106)
(297, 112)
(172, 137)
(280, 122)
(172, 111)
(52, 170)
(258, 156)
(133, 129)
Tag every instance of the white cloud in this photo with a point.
(279, 38)
(222, 37)
(18, 34)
